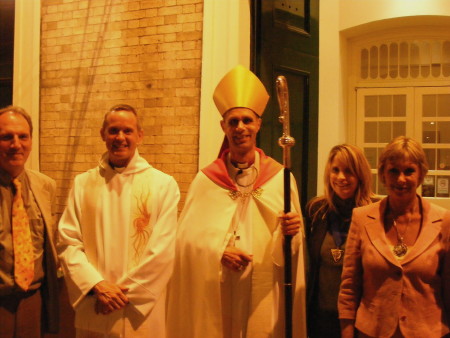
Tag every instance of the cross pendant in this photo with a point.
(236, 237)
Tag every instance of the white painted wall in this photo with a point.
(340, 20)
(26, 67)
(226, 43)
(357, 12)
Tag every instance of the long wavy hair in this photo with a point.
(357, 163)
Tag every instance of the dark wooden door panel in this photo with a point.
(285, 42)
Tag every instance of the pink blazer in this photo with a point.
(381, 293)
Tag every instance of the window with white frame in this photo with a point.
(422, 113)
(399, 84)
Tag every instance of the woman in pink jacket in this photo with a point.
(396, 275)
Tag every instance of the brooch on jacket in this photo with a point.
(236, 194)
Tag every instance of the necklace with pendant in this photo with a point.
(245, 178)
(338, 237)
(337, 254)
(400, 249)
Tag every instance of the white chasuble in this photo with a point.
(120, 227)
(247, 298)
(208, 300)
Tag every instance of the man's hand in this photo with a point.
(235, 259)
(110, 297)
(290, 223)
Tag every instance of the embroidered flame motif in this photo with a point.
(142, 230)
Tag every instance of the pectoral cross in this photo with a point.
(235, 238)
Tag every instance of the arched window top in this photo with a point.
(405, 60)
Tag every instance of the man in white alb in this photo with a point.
(117, 236)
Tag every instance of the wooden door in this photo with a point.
(285, 42)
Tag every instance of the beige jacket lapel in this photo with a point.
(44, 192)
(431, 227)
(375, 231)
(42, 198)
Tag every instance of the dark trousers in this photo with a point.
(324, 324)
(20, 315)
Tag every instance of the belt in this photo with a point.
(18, 295)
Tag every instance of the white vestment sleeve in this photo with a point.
(71, 251)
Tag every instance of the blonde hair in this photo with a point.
(357, 163)
(403, 148)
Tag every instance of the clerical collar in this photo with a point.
(244, 175)
(241, 165)
(118, 169)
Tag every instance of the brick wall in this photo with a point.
(97, 53)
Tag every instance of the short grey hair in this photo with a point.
(19, 111)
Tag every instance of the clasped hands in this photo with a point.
(110, 297)
(237, 259)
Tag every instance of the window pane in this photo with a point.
(428, 186)
(446, 59)
(443, 159)
(425, 58)
(393, 60)
(404, 60)
(429, 132)
(371, 155)
(443, 105)
(415, 61)
(364, 63)
(442, 186)
(373, 62)
(443, 132)
(429, 105)
(374, 183)
(385, 132)
(436, 59)
(398, 129)
(399, 107)
(385, 105)
(370, 132)
(371, 106)
(383, 61)
(431, 158)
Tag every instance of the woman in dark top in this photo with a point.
(347, 181)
